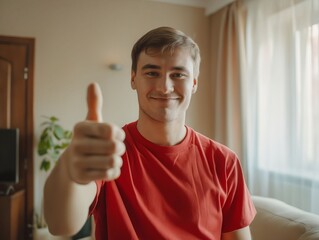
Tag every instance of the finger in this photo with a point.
(94, 103)
(96, 146)
(101, 163)
(108, 175)
(99, 130)
(112, 173)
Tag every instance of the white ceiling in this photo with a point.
(210, 6)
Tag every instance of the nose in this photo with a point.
(165, 84)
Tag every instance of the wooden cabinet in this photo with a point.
(12, 214)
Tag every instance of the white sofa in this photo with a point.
(276, 220)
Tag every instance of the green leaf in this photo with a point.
(51, 142)
(45, 165)
(64, 145)
(60, 147)
(54, 155)
(54, 119)
(43, 148)
(57, 147)
(67, 134)
(58, 132)
(45, 134)
(42, 151)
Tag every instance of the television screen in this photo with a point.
(9, 155)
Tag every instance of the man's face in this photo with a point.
(164, 85)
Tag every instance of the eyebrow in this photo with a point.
(153, 66)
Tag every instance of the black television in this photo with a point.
(9, 156)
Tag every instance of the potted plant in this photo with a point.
(53, 140)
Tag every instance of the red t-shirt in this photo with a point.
(193, 190)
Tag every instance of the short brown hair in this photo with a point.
(165, 39)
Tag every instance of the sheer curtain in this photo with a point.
(280, 100)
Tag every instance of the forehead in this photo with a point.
(178, 57)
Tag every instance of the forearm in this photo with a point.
(66, 203)
(240, 234)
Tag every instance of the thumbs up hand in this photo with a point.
(96, 148)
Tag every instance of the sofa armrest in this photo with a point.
(277, 220)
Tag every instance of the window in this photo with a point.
(281, 101)
(288, 99)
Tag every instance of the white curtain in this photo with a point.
(280, 100)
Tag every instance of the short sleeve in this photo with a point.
(238, 210)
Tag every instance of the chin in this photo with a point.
(162, 116)
(167, 119)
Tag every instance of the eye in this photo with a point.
(178, 75)
(152, 74)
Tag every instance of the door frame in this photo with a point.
(29, 43)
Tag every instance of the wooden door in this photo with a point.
(16, 111)
(5, 93)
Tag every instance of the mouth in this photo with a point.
(164, 99)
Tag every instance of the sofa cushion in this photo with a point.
(276, 220)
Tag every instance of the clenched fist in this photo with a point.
(96, 148)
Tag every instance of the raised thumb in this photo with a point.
(94, 100)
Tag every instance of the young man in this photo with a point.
(156, 178)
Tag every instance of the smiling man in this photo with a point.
(155, 178)
(164, 82)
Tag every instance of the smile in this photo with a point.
(164, 98)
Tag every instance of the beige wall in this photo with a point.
(77, 39)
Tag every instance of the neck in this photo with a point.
(162, 133)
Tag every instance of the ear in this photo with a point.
(194, 86)
(133, 75)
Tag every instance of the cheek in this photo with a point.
(186, 89)
(142, 89)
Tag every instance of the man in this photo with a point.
(156, 178)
